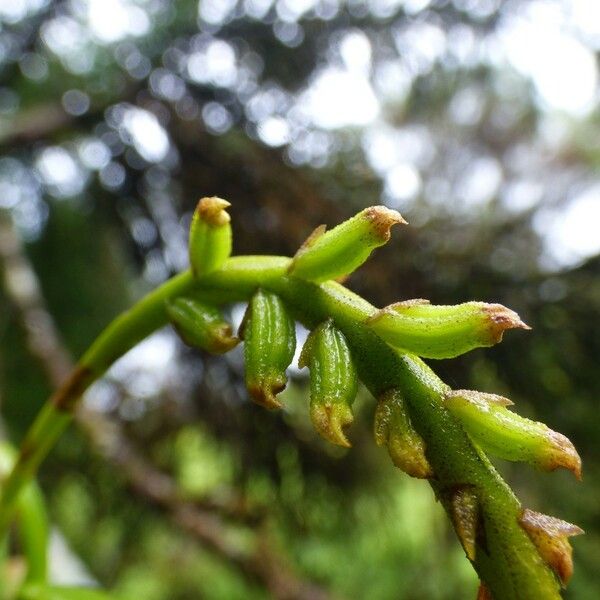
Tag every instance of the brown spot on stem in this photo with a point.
(465, 515)
(383, 220)
(66, 397)
(213, 211)
(483, 593)
(342, 278)
(27, 451)
(550, 536)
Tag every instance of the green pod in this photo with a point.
(505, 434)
(200, 325)
(333, 381)
(269, 335)
(210, 236)
(394, 429)
(431, 331)
(336, 253)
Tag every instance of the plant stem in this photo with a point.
(120, 336)
(504, 556)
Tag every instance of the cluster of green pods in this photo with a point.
(413, 327)
(430, 431)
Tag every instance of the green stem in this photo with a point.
(121, 335)
(503, 556)
(33, 533)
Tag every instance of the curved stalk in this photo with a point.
(121, 335)
(483, 509)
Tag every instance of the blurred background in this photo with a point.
(477, 119)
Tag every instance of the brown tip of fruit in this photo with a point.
(223, 340)
(564, 455)
(550, 536)
(265, 394)
(213, 211)
(501, 319)
(330, 420)
(383, 219)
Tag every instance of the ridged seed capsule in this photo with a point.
(201, 325)
(507, 435)
(269, 335)
(394, 429)
(336, 253)
(210, 236)
(431, 331)
(333, 381)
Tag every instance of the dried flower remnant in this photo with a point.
(464, 512)
(436, 331)
(550, 536)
